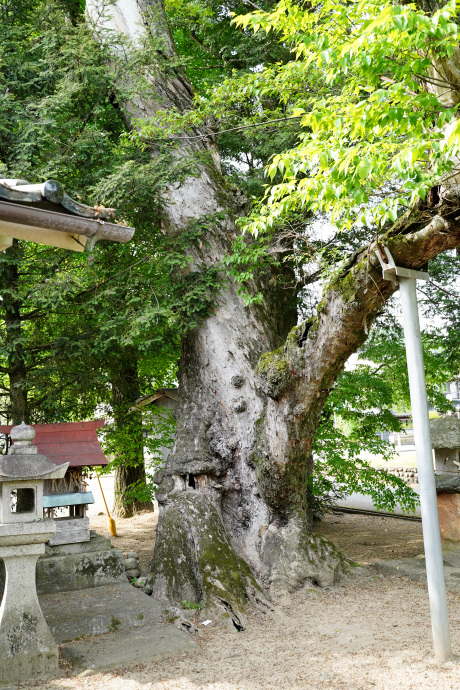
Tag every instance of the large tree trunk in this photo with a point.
(234, 509)
(130, 468)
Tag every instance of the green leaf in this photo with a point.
(364, 167)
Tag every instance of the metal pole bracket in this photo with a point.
(390, 271)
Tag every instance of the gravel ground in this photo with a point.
(370, 631)
(370, 538)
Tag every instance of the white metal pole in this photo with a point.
(428, 502)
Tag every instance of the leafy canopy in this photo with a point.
(73, 324)
(377, 132)
(374, 135)
(359, 414)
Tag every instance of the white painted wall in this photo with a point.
(107, 482)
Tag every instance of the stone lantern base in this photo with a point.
(27, 648)
(449, 516)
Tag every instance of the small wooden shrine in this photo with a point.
(66, 500)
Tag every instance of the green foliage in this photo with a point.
(190, 606)
(441, 305)
(119, 444)
(363, 404)
(210, 46)
(374, 136)
(212, 49)
(360, 136)
(71, 322)
(369, 132)
(348, 433)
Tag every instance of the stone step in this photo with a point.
(77, 566)
(414, 568)
(111, 608)
(127, 648)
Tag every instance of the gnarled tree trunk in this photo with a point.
(234, 510)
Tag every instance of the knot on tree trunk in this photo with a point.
(274, 375)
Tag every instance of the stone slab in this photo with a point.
(71, 530)
(451, 555)
(127, 648)
(119, 607)
(97, 543)
(80, 571)
(445, 432)
(447, 484)
(26, 533)
(414, 568)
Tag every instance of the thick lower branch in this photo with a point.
(298, 377)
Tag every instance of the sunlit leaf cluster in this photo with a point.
(377, 128)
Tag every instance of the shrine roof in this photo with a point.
(26, 208)
(73, 442)
(50, 195)
(154, 397)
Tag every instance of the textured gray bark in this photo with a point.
(252, 387)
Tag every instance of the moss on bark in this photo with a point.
(274, 373)
(197, 563)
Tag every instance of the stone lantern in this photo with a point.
(27, 647)
(445, 440)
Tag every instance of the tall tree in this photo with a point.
(83, 331)
(234, 496)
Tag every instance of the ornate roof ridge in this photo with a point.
(52, 191)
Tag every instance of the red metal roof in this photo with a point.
(73, 442)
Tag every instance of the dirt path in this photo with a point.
(362, 538)
(370, 631)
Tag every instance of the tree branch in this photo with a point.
(352, 302)
(298, 377)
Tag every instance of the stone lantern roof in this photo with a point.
(445, 432)
(23, 461)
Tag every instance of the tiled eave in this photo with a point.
(44, 213)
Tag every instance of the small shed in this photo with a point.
(65, 500)
(163, 398)
(445, 440)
